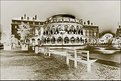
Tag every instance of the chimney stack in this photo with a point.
(24, 16)
(27, 18)
(119, 26)
(35, 17)
(91, 23)
(88, 22)
(21, 18)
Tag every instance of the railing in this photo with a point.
(65, 22)
(70, 53)
(80, 56)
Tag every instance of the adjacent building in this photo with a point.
(33, 23)
(117, 40)
(118, 32)
(91, 33)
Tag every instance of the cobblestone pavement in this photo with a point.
(30, 66)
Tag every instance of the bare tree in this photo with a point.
(24, 31)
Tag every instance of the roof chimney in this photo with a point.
(27, 18)
(24, 16)
(91, 23)
(35, 17)
(88, 22)
(21, 18)
(119, 26)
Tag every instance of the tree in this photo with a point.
(24, 31)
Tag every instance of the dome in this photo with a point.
(64, 15)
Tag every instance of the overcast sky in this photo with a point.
(105, 14)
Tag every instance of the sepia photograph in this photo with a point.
(60, 40)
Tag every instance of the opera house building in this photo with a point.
(61, 29)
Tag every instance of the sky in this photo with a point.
(105, 14)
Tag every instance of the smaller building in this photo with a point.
(117, 39)
(91, 33)
(33, 23)
(118, 32)
(106, 38)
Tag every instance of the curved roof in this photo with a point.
(64, 15)
(106, 32)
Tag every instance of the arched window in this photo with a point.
(66, 27)
(51, 31)
(72, 39)
(43, 40)
(72, 27)
(81, 32)
(59, 26)
(85, 40)
(59, 40)
(53, 26)
(77, 39)
(47, 33)
(39, 41)
(33, 40)
(77, 27)
(27, 41)
(53, 40)
(74, 31)
(57, 31)
(60, 29)
(66, 40)
(81, 39)
(48, 40)
(70, 31)
(48, 28)
(43, 32)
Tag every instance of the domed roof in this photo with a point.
(64, 15)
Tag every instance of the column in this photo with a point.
(36, 49)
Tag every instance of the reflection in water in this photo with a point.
(107, 51)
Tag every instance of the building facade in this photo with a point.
(61, 29)
(33, 23)
(117, 39)
(91, 34)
